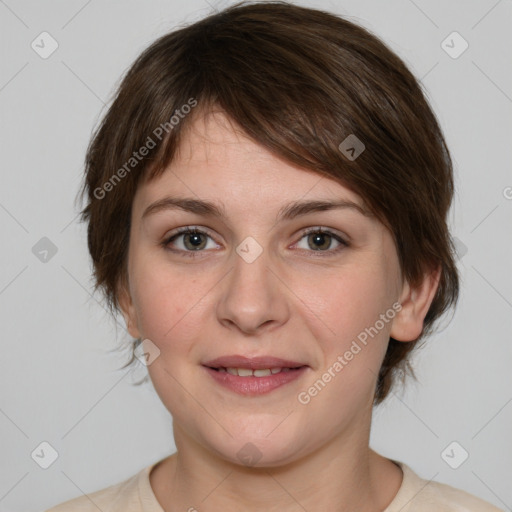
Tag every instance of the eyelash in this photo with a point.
(193, 230)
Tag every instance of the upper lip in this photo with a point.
(253, 363)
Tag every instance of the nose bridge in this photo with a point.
(251, 296)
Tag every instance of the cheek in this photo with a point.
(167, 304)
(350, 301)
(352, 338)
(351, 347)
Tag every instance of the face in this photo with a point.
(258, 279)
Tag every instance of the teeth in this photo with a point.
(262, 373)
(247, 372)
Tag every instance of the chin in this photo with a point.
(258, 450)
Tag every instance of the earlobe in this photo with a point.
(416, 301)
(128, 310)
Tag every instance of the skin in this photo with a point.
(291, 302)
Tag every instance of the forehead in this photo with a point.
(216, 159)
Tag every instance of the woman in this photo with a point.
(267, 204)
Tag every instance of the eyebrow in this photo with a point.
(288, 212)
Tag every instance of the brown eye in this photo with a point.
(320, 241)
(189, 240)
(194, 240)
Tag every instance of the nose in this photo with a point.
(253, 296)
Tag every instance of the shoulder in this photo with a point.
(126, 496)
(419, 495)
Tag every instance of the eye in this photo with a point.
(319, 240)
(187, 240)
(190, 240)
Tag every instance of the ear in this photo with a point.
(127, 308)
(415, 301)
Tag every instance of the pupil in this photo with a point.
(195, 240)
(320, 238)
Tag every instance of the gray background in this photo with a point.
(58, 381)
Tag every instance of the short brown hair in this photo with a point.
(298, 81)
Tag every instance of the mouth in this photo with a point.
(252, 363)
(248, 372)
(253, 376)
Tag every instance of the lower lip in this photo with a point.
(255, 385)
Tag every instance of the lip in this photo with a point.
(255, 385)
(253, 363)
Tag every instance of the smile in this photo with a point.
(247, 372)
(248, 382)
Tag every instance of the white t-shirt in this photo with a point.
(415, 495)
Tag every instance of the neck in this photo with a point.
(343, 475)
